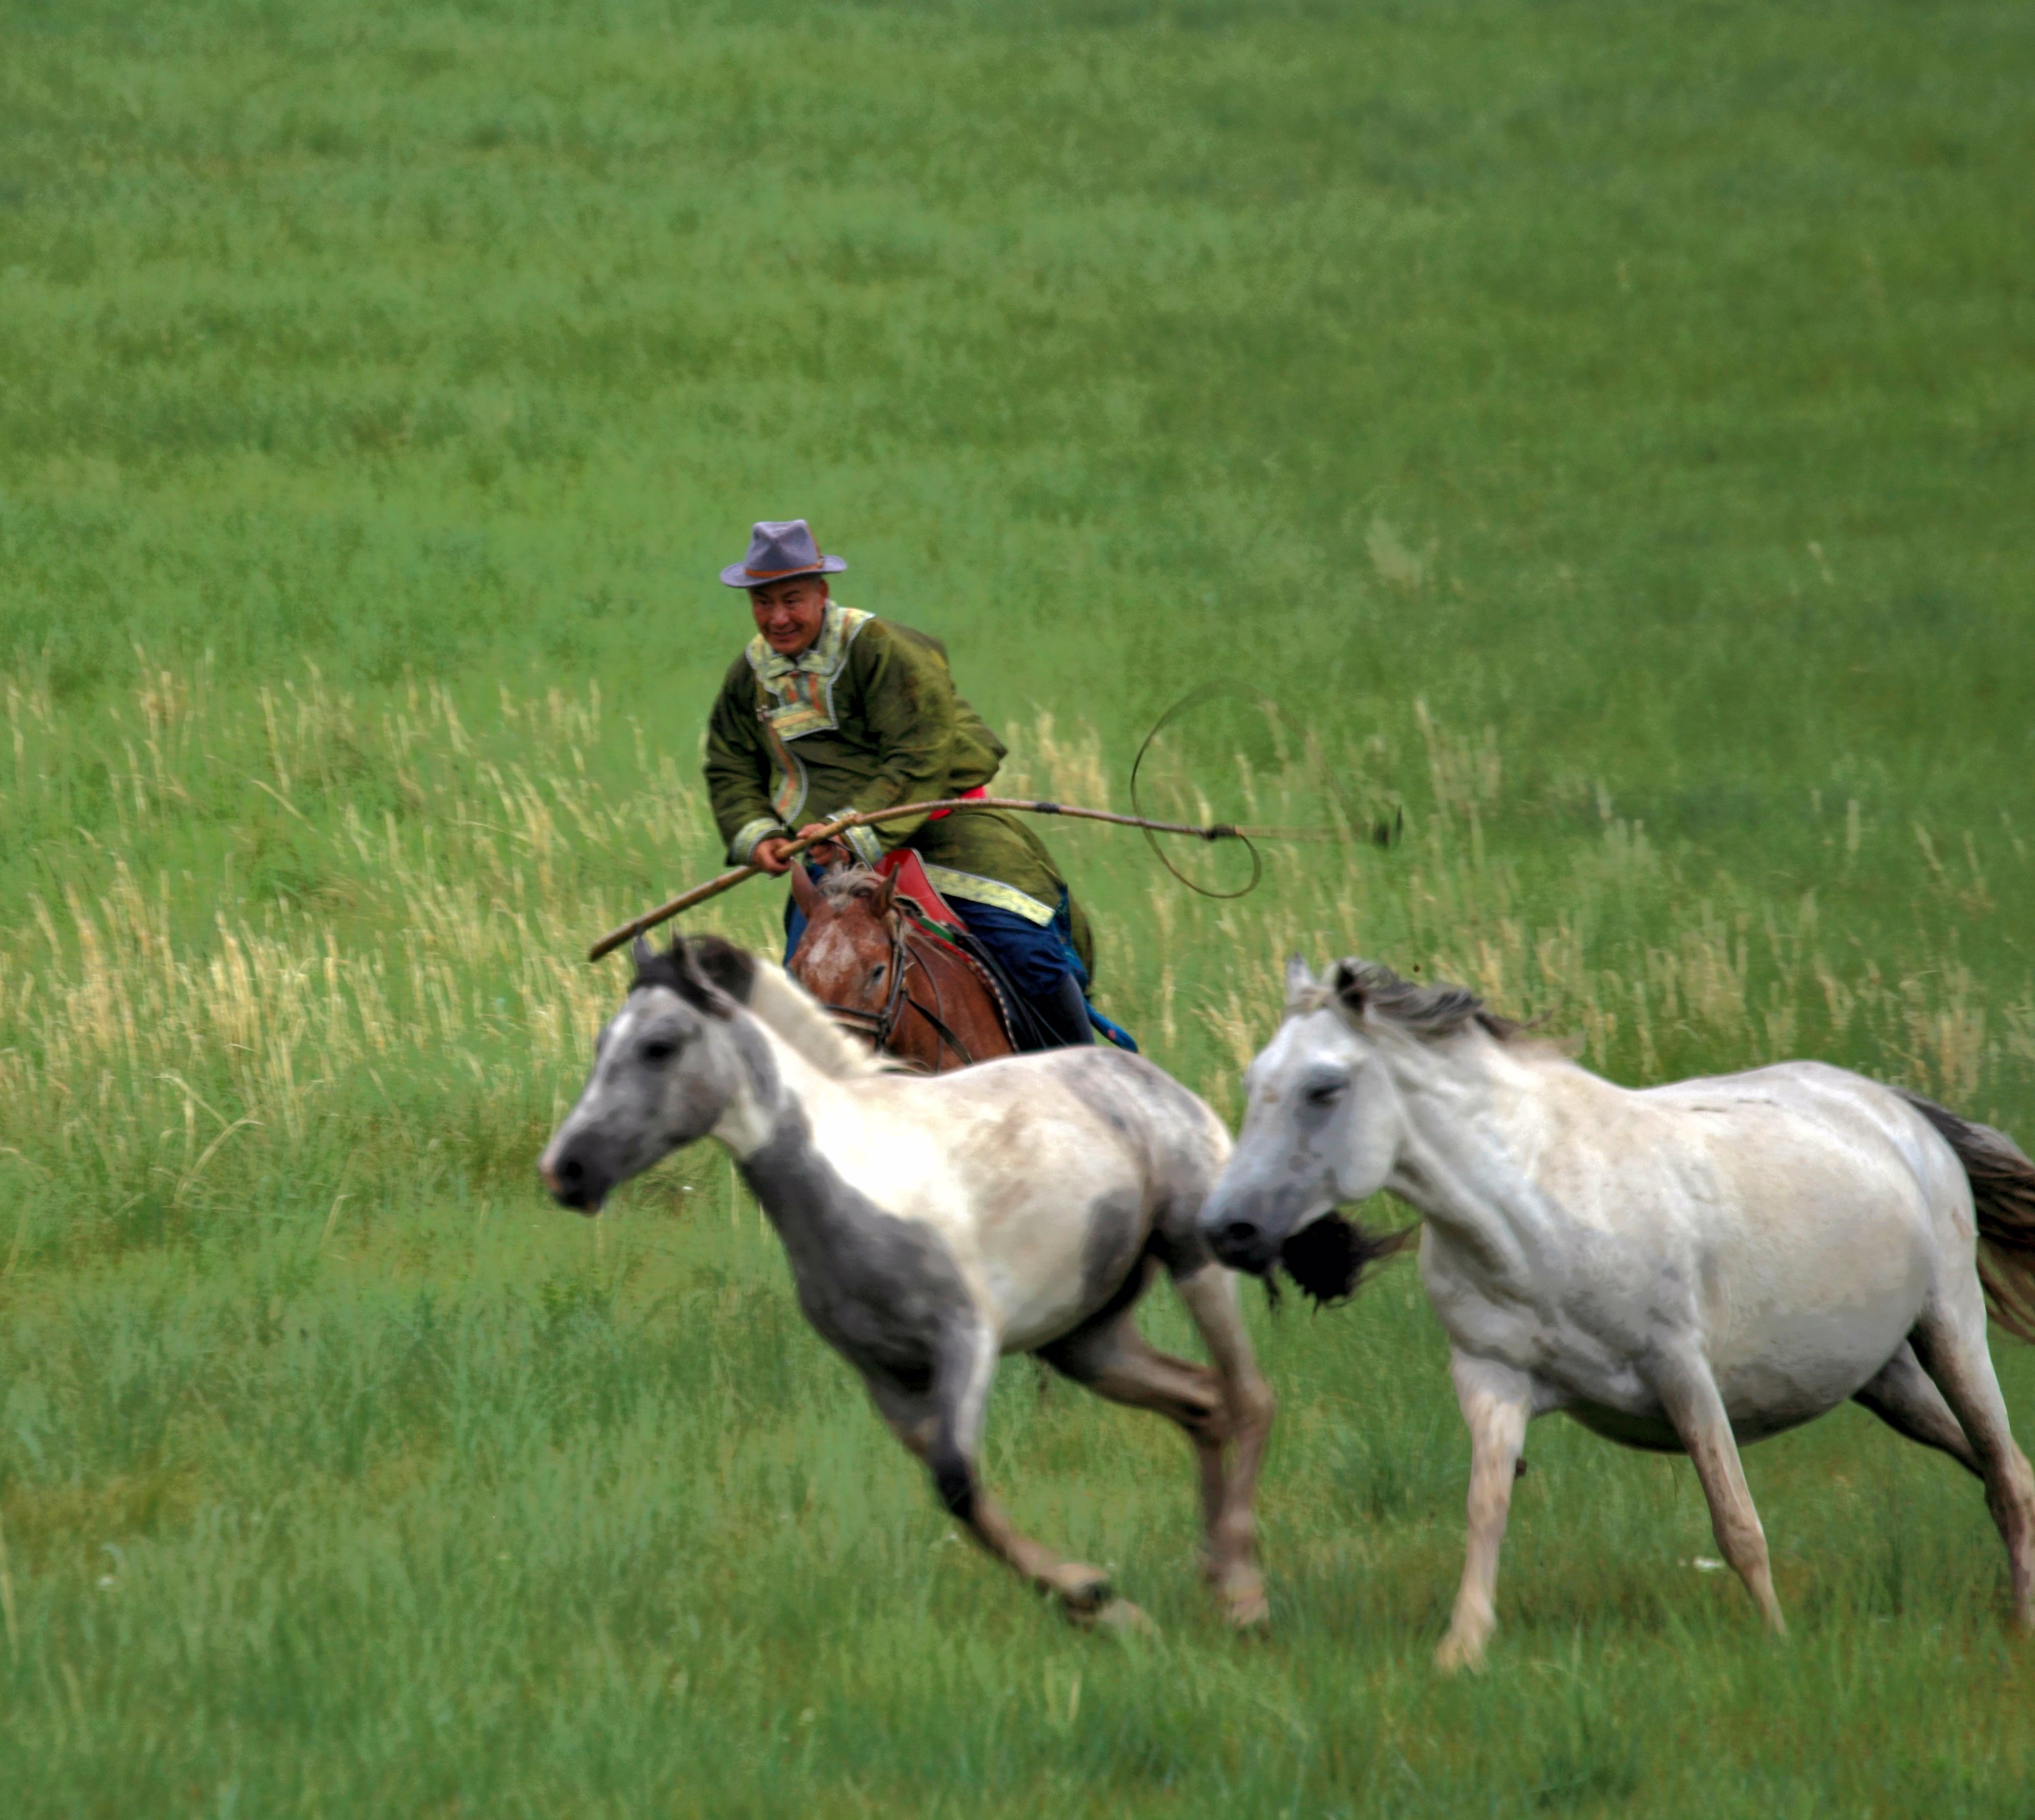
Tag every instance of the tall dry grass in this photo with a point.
(338, 941)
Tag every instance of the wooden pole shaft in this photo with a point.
(1025, 805)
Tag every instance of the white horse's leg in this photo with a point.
(1951, 1343)
(1904, 1397)
(942, 1425)
(1497, 1403)
(1689, 1394)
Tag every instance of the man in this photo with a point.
(829, 709)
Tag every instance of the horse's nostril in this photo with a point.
(569, 1172)
(1236, 1235)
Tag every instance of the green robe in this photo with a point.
(866, 716)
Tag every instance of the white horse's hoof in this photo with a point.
(1460, 1655)
(1241, 1596)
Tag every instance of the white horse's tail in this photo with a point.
(2002, 1185)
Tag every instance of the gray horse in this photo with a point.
(933, 1224)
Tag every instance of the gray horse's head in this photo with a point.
(665, 1070)
(1324, 1123)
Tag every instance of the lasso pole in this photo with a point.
(862, 818)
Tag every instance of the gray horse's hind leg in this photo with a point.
(1903, 1396)
(1230, 1404)
(942, 1425)
(1949, 1342)
(1211, 1299)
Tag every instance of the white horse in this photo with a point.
(1684, 1268)
(935, 1223)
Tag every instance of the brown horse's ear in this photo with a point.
(886, 893)
(805, 894)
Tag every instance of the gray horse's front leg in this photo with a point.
(942, 1425)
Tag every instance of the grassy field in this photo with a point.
(1605, 431)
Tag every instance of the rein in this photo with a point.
(880, 1026)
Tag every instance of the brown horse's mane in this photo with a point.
(845, 885)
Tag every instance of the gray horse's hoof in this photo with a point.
(1091, 1604)
(1121, 1618)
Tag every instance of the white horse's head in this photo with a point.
(666, 1068)
(1325, 1120)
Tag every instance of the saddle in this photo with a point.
(916, 896)
(905, 866)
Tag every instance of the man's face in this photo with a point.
(788, 613)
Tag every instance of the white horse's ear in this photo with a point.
(641, 953)
(1348, 983)
(1299, 978)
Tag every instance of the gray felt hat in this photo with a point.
(779, 551)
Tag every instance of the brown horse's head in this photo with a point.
(847, 956)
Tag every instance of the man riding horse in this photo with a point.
(829, 709)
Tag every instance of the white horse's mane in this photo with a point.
(1430, 1012)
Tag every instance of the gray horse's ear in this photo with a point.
(641, 953)
(1299, 978)
(696, 988)
(721, 964)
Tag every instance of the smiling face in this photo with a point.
(789, 613)
(664, 1071)
(1322, 1128)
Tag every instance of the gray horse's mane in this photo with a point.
(706, 964)
(1430, 1012)
(781, 1002)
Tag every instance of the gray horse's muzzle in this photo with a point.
(574, 1174)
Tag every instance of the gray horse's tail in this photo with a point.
(2002, 1185)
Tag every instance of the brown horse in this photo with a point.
(882, 973)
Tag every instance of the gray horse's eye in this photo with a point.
(659, 1051)
(1325, 1092)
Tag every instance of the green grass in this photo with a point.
(1605, 431)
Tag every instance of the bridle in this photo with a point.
(879, 1027)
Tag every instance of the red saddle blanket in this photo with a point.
(905, 866)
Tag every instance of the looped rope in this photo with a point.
(1382, 834)
(1222, 831)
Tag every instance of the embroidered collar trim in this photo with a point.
(798, 692)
